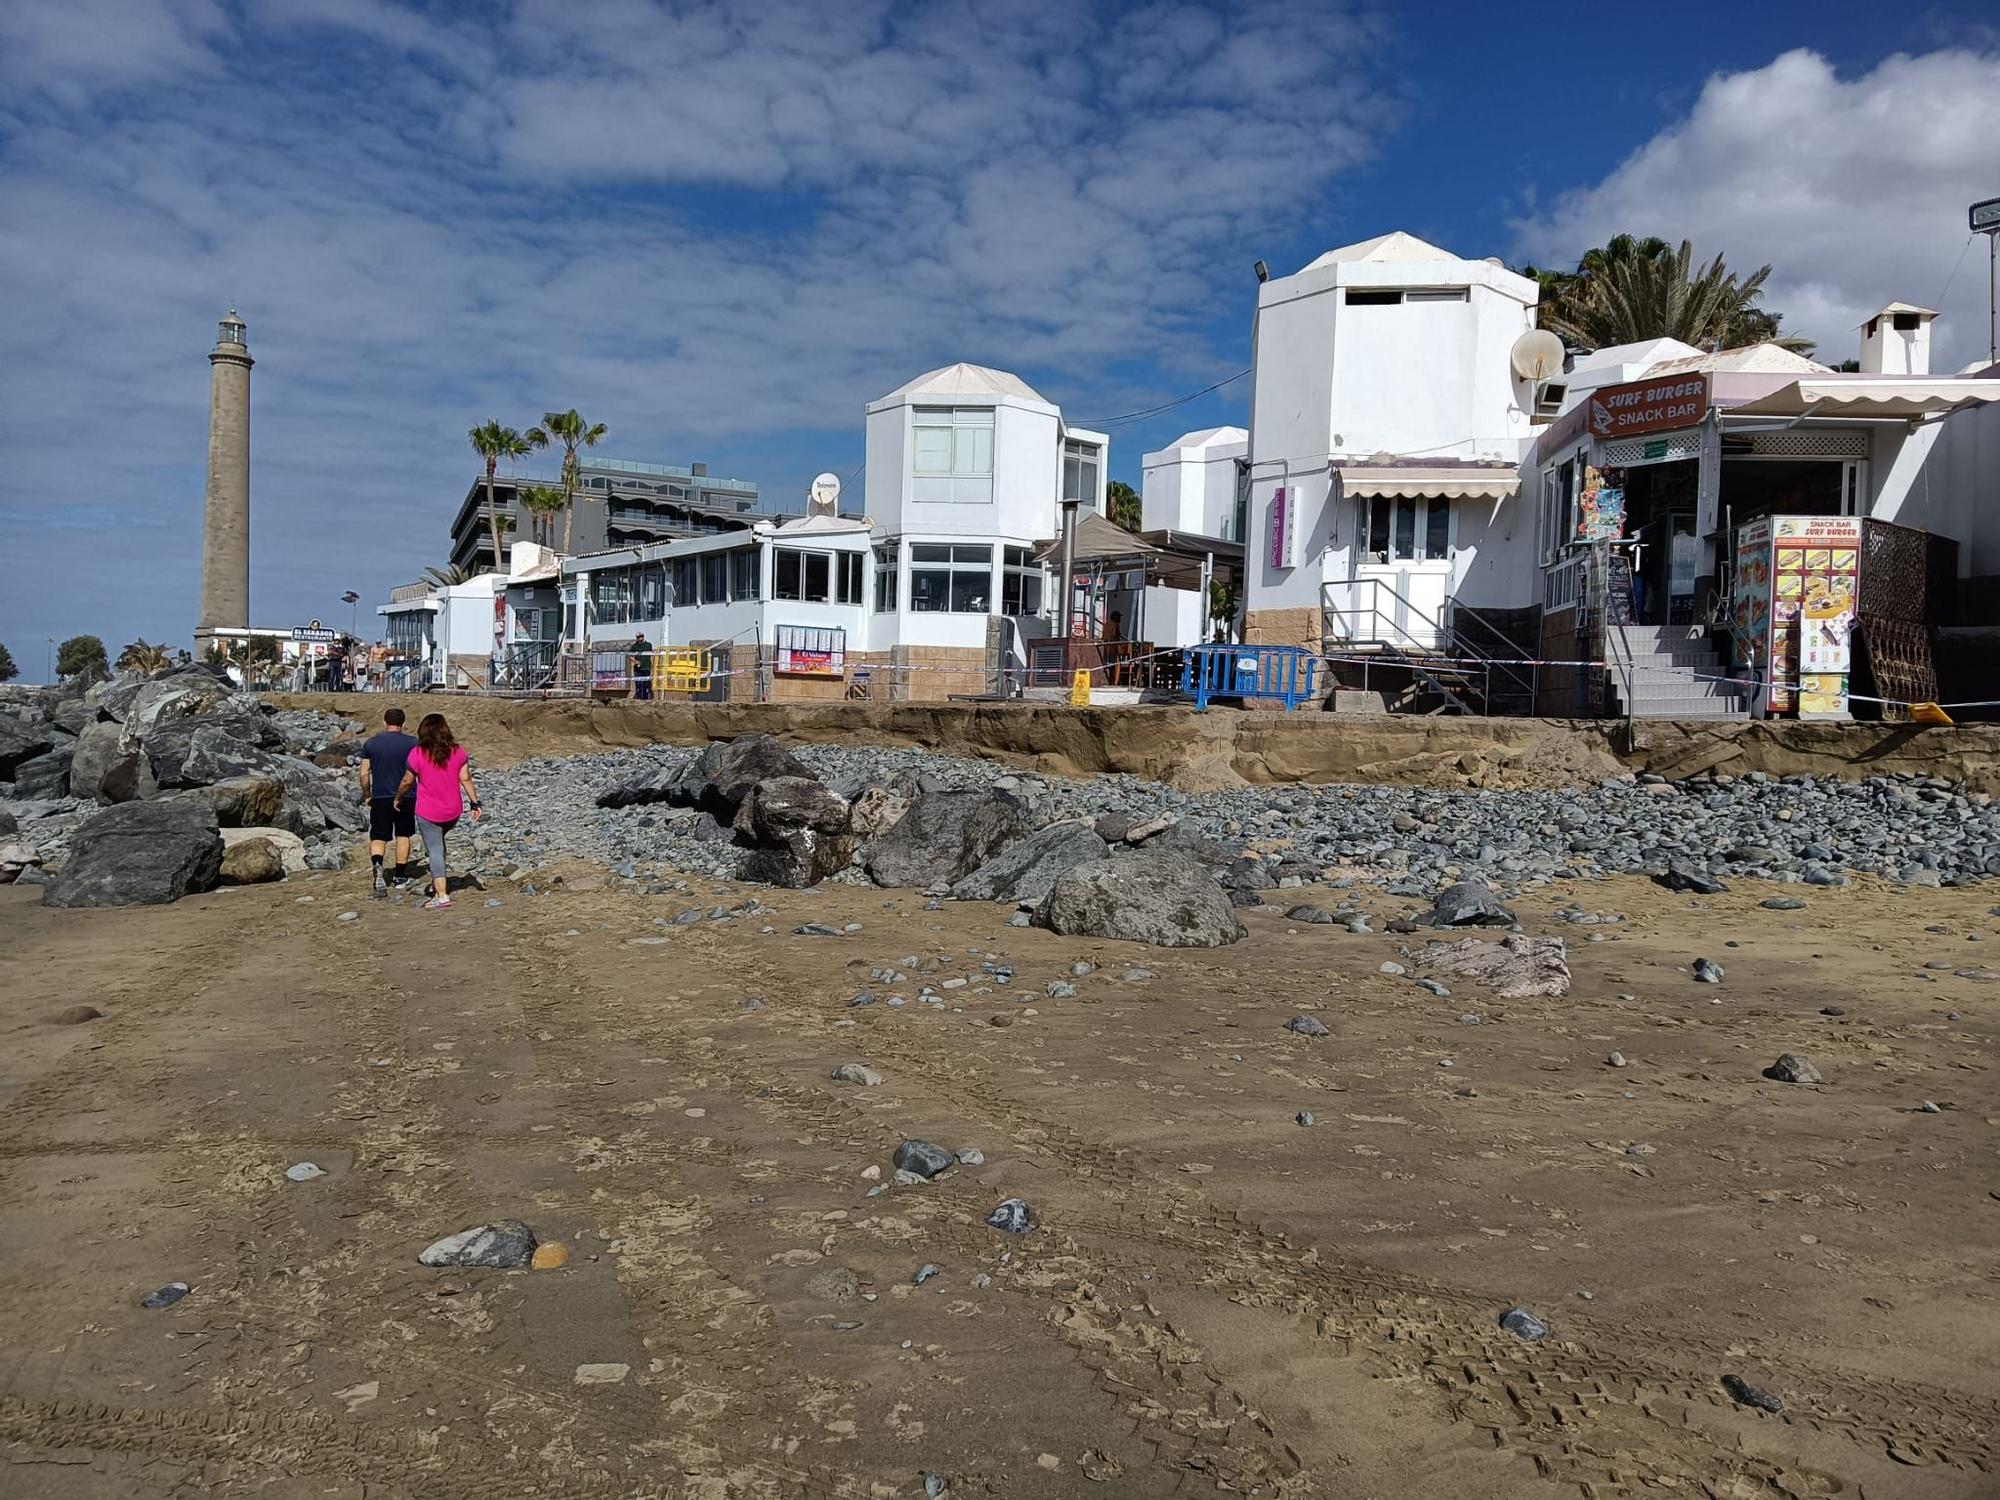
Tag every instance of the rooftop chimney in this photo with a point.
(1897, 341)
(700, 471)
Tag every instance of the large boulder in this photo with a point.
(107, 764)
(113, 698)
(721, 776)
(1518, 967)
(1469, 903)
(140, 854)
(944, 837)
(876, 809)
(1165, 899)
(47, 775)
(243, 801)
(1027, 870)
(222, 739)
(253, 860)
(797, 829)
(73, 714)
(22, 738)
(183, 693)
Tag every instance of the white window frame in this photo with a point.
(1077, 455)
(970, 443)
(1389, 510)
(1018, 570)
(961, 560)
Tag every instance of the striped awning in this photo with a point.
(1452, 481)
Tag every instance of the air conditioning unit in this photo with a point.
(1548, 401)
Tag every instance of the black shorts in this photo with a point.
(386, 820)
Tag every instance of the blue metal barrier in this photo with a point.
(1282, 672)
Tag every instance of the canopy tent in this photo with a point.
(1884, 397)
(1098, 540)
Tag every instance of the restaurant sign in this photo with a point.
(1640, 406)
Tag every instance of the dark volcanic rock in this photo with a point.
(1682, 876)
(22, 740)
(1026, 870)
(140, 854)
(504, 1245)
(1469, 903)
(944, 837)
(1164, 899)
(797, 829)
(47, 775)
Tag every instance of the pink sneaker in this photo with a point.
(438, 903)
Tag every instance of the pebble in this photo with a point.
(1744, 1393)
(1307, 1026)
(305, 1171)
(1061, 989)
(605, 1374)
(1524, 1324)
(1615, 1060)
(166, 1296)
(1707, 971)
(856, 1073)
(1930, 1108)
(506, 1244)
(1305, 1117)
(1793, 1067)
(1392, 968)
(550, 1255)
(971, 1156)
(348, 916)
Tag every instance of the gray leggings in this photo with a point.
(433, 834)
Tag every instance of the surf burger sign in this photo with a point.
(1641, 406)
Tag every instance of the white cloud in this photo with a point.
(719, 228)
(1854, 190)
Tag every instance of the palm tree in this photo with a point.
(1122, 506)
(493, 442)
(143, 656)
(542, 502)
(448, 575)
(570, 430)
(1631, 289)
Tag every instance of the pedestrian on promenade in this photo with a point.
(384, 759)
(441, 780)
(642, 667)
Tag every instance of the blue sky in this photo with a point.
(722, 228)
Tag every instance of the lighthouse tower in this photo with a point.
(225, 534)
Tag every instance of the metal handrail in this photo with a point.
(1447, 634)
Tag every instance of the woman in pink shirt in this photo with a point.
(438, 773)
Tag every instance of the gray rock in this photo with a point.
(140, 854)
(944, 837)
(1469, 903)
(22, 741)
(856, 1073)
(252, 861)
(1524, 1324)
(1312, 916)
(506, 1244)
(46, 775)
(182, 693)
(797, 829)
(1012, 1217)
(1307, 1026)
(1164, 899)
(1792, 1067)
(166, 1296)
(1707, 971)
(971, 1156)
(1743, 1393)
(1027, 869)
(1782, 903)
(1515, 968)
(922, 1158)
(1305, 1117)
(1683, 876)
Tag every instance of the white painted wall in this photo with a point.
(1189, 485)
(1944, 477)
(1426, 379)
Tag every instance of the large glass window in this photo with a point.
(715, 577)
(851, 565)
(744, 583)
(950, 579)
(685, 592)
(653, 591)
(954, 441)
(1021, 583)
(611, 593)
(804, 576)
(1081, 462)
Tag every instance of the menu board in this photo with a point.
(1600, 514)
(1815, 571)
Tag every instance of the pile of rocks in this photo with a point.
(784, 825)
(144, 788)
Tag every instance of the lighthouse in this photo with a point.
(225, 534)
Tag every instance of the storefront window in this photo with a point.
(803, 576)
(1405, 529)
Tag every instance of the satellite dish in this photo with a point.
(1536, 355)
(823, 496)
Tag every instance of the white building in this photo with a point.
(1386, 431)
(1198, 485)
(444, 635)
(967, 469)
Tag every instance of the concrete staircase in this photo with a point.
(1666, 665)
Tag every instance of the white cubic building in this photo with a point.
(1197, 485)
(1386, 433)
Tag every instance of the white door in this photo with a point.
(1402, 570)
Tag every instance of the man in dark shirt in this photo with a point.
(642, 666)
(384, 759)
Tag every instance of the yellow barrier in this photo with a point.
(1079, 690)
(681, 669)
